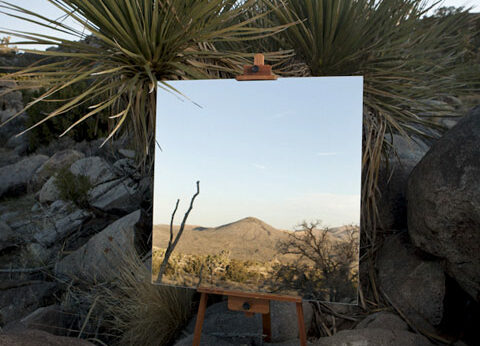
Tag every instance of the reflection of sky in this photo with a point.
(283, 151)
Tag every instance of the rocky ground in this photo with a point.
(55, 225)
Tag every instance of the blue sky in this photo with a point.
(283, 151)
(50, 11)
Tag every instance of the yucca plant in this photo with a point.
(134, 45)
(414, 71)
(411, 69)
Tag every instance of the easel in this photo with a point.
(251, 303)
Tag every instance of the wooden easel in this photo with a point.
(251, 303)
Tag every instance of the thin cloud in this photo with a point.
(256, 165)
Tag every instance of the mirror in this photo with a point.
(279, 171)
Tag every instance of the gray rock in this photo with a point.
(393, 181)
(101, 255)
(285, 322)
(127, 153)
(237, 328)
(49, 192)
(15, 177)
(443, 202)
(205, 340)
(58, 161)
(415, 286)
(95, 168)
(8, 237)
(116, 196)
(383, 320)
(38, 337)
(21, 298)
(51, 319)
(374, 337)
(62, 227)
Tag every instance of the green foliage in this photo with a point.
(43, 134)
(73, 187)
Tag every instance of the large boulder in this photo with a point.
(102, 254)
(443, 202)
(61, 225)
(383, 320)
(374, 337)
(51, 319)
(15, 177)
(415, 285)
(19, 298)
(95, 168)
(38, 337)
(58, 161)
(393, 179)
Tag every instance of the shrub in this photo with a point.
(72, 187)
(48, 131)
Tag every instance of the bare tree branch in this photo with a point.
(171, 245)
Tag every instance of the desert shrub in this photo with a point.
(238, 271)
(193, 265)
(72, 187)
(50, 130)
(326, 267)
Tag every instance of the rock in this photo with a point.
(237, 328)
(51, 319)
(393, 182)
(37, 338)
(95, 168)
(374, 337)
(126, 168)
(443, 202)
(15, 177)
(58, 161)
(17, 299)
(119, 196)
(416, 286)
(19, 144)
(49, 192)
(205, 340)
(284, 320)
(101, 255)
(127, 153)
(383, 320)
(8, 238)
(8, 157)
(62, 227)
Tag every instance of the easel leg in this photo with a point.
(301, 325)
(200, 317)
(267, 327)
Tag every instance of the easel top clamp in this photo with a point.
(251, 303)
(257, 71)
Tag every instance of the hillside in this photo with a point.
(246, 239)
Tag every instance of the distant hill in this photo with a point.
(246, 239)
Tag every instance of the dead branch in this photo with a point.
(172, 244)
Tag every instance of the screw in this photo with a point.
(255, 69)
(246, 306)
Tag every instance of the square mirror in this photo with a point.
(277, 205)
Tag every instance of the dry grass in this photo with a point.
(130, 310)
